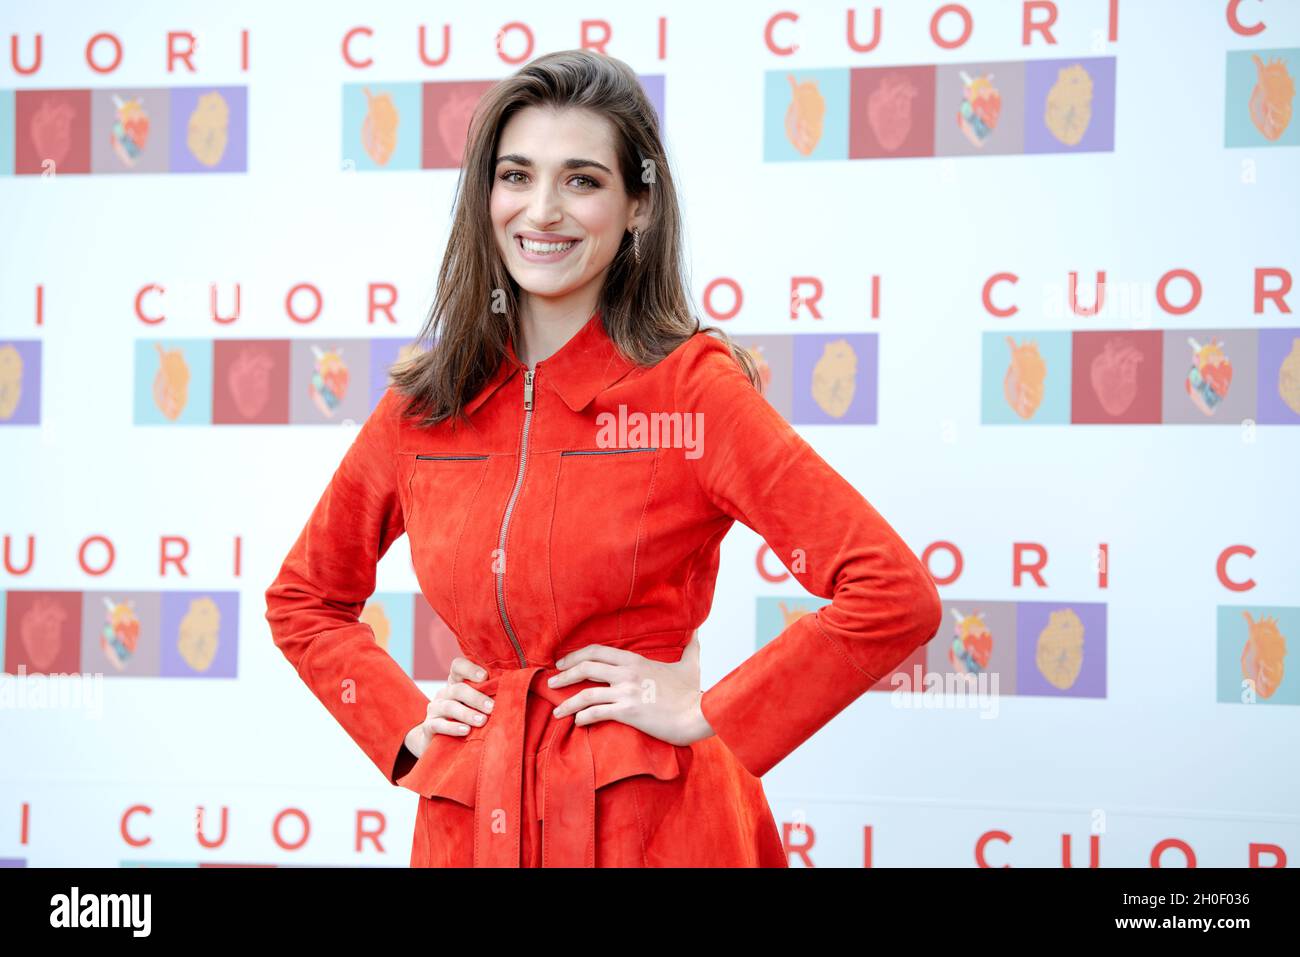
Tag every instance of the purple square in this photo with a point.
(1065, 82)
(209, 129)
(1062, 628)
(20, 366)
(835, 378)
(191, 622)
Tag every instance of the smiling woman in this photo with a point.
(572, 729)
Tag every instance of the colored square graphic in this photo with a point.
(130, 130)
(1061, 649)
(390, 616)
(891, 111)
(976, 638)
(20, 381)
(384, 354)
(448, 108)
(42, 632)
(1251, 643)
(1116, 376)
(1278, 396)
(1070, 105)
(250, 381)
(1025, 378)
(329, 380)
(51, 132)
(1259, 97)
(979, 108)
(120, 633)
(6, 132)
(1210, 376)
(382, 125)
(774, 355)
(435, 644)
(200, 634)
(805, 115)
(835, 379)
(173, 382)
(209, 129)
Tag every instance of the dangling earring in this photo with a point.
(636, 243)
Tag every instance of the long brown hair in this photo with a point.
(645, 306)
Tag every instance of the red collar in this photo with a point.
(578, 371)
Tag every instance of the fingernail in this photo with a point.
(480, 675)
(551, 680)
(489, 705)
(559, 663)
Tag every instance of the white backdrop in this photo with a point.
(1158, 756)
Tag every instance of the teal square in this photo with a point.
(186, 357)
(771, 612)
(1243, 74)
(398, 607)
(1053, 349)
(6, 132)
(830, 89)
(1231, 634)
(382, 103)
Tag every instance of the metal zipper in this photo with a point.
(609, 451)
(505, 519)
(449, 458)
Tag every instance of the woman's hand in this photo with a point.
(455, 700)
(660, 698)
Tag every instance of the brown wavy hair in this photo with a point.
(645, 306)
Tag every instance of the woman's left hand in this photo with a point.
(657, 697)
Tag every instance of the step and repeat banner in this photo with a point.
(1024, 272)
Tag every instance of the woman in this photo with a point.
(566, 459)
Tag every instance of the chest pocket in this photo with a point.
(443, 490)
(601, 496)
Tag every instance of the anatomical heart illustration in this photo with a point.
(972, 645)
(981, 104)
(454, 113)
(805, 115)
(1263, 655)
(199, 634)
(1210, 375)
(1113, 375)
(379, 128)
(129, 133)
(41, 629)
(1059, 653)
(50, 130)
(376, 616)
(120, 633)
(329, 380)
(1271, 97)
(171, 383)
(834, 378)
(1069, 105)
(1022, 386)
(1288, 378)
(248, 379)
(11, 380)
(889, 110)
(208, 131)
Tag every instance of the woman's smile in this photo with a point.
(535, 251)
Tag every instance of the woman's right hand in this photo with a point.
(454, 708)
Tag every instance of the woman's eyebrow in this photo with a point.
(576, 163)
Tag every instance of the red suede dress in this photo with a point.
(546, 526)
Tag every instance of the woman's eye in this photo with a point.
(591, 183)
(513, 172)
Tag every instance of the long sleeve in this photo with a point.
(315, 602)
(756, 468)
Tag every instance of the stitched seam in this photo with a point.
(640, 824)
(550, 544)
(455, 551)
(636, 549)
(843, 654)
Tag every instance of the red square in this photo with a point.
(447, 111)
(51, 127)
(1115, 376)
(250, 381)
(891, 111)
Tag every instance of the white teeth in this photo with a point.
(544, 248)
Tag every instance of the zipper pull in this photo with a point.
(528, 389)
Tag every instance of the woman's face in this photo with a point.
(557, 183)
